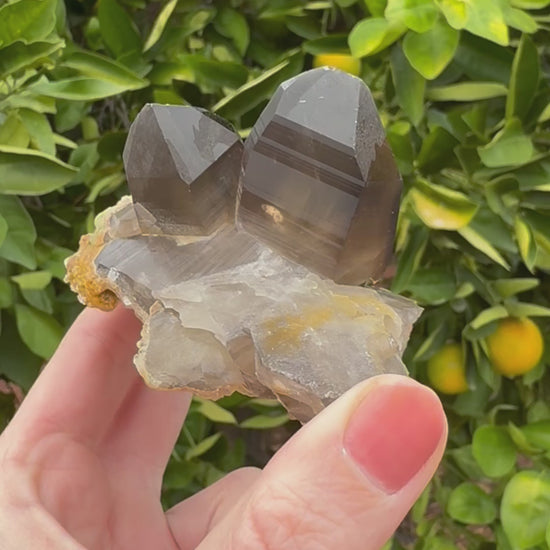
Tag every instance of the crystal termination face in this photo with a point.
(248, 306)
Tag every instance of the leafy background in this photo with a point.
(463, 90)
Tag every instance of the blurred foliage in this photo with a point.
(463, 90)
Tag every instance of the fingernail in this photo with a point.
(393, 432)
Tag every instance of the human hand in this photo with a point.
(81, 463)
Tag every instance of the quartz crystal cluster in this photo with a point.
(239, 259)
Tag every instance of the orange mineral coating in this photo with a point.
(83, 279)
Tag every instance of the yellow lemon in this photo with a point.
(341, 61)
(446, 370)
(515, 347)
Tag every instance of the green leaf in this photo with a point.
(82, 89)
(488, 316)
(376, 7)
(538, 434)
(493, 228)
(494, 451)
(233, 25)
(420, 507)
(417, 15)
(16, 361)
(526, 243)
(196, 21)
(203, 447)
(467, 91)
(464, 459)
(373, 35)
(28, 172)
(3, 229)
(483, 61)
(509, 147)
(430, 52)
(307, 27)
(520, 20)
(433, 342)
(18, 56)
(13, 132)
(331, 44)
(117, 28)
(511, 287)
(105, 185)
(524, 80)
(6, 293)
(432, 286)
(399, 139)
(215, 412)
(455, 11)
(435, 543)
(545, 115)
(40, 299)
(442, 208)
(436, 149)
(522, 309)
(483, 245)
(486, 19)
(160, 24)
(102, 68)
(18, 245)
(525, 508)
(216, 73)
(409, 259)
(26, 21)
(264, 422)
(34, 280)
(530, 4)
(39, 129)
(39, 331)
(518, 437)
(258, 89)
(52, 258)
(409, 86)
(179, 475)
(471, 505)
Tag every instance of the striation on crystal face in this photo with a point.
(182, 167)
(248, 306)
(319, 182)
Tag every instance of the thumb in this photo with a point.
(346, 479)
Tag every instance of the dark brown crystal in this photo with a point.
(182, 168)
(319, 182)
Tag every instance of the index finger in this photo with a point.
(84, 383)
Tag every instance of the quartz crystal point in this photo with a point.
(319, 183)
(182, 167)
(230, 309)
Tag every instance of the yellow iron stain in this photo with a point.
(83, 279)
(287, 331)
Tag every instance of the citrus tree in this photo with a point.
(464, 91)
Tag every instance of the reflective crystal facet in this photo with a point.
(182, 168)
(319, 182)
(253, 306)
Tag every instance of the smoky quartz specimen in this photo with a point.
(255, 306)
(182, 168)
(320, 184)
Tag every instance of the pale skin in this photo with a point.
(81, 463)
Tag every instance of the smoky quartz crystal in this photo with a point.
(182, 168)
(235, 259)
(320, 184)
